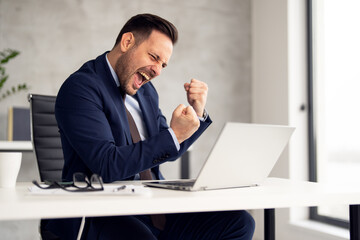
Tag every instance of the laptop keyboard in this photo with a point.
(185, 183)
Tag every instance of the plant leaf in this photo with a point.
(8, 54)
(3, 80)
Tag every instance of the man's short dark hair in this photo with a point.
(142, 25)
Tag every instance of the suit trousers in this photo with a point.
(237, 225)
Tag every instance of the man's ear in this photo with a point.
(127, 41)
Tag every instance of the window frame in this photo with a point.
(313, 211)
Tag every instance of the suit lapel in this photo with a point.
(148, 112)
(123, 118)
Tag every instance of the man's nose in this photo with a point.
(156, 69)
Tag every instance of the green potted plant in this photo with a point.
(5, 56)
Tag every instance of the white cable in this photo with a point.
(81, 228)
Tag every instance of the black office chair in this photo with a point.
(45, 137)
(46, 141)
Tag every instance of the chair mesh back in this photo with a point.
(46, 137)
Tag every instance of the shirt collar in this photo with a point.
(116, 79)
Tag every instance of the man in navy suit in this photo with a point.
(96, 138)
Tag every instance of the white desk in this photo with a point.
(18, 203)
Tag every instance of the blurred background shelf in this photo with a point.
(21, 146)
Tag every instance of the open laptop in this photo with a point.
(243, 155)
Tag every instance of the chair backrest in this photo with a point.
(45, 137)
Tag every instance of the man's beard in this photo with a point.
(124, 72)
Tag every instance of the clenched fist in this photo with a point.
(196, 92)
(184, 122)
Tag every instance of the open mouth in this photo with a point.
(141, 79)
(145, 76)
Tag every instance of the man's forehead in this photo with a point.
(160, 44)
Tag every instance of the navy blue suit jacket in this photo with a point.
(95, 133)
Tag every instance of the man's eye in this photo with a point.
(153, 57)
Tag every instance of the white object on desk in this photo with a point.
(9, 168)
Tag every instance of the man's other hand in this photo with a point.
(196, 92)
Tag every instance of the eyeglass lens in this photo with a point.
(96, 181)
(81, 180)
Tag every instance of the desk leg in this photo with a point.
(354, 222)
(269, 221)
